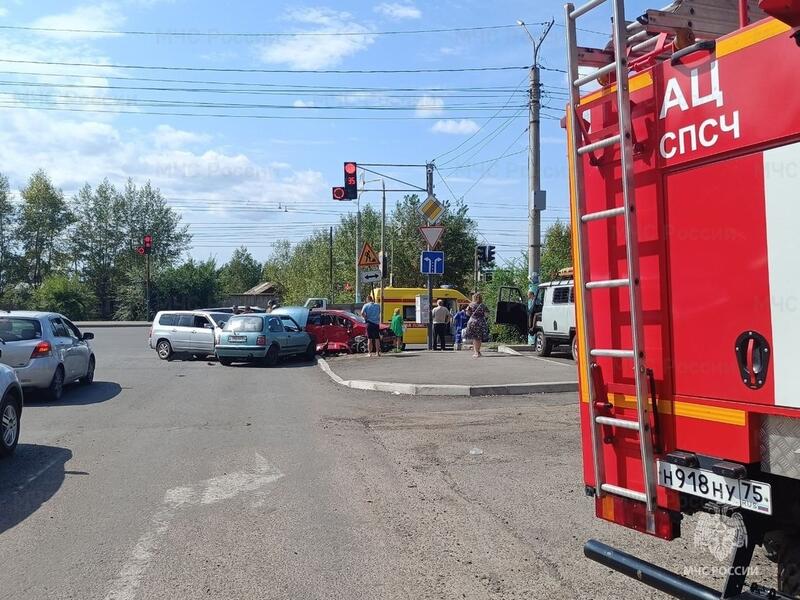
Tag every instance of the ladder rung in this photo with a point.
(624, 492)
(599, 145)
(648, 42)
(623, 423)
(607, 283)
(585, 8)
(613, 353)
(581, 81)
(603, 214)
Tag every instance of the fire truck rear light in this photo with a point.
(41, 350)
(599, 145)
(682, 459)
(729, 469)
(603, 214)
(633, 514)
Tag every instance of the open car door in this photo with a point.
(512, 309)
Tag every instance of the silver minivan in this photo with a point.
(186, 332)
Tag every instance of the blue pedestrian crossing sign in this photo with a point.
(431, 262)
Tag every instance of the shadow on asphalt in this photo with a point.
(79, 395)
(28, 479)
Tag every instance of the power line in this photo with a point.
(62, 107)
(295, 88)
(489, 168)
(253, 70)
(482, 125)
(255, 34)
(483, 162)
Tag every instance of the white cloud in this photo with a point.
(85, 16)
(397, 10)
(429, 106)
(3, 11)
(457, 127)
(318, 52)
(303, 103)
(166, 136)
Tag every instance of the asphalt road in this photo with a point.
(192, 480)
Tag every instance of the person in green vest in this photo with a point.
(397, 328)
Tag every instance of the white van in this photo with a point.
(554, 316)
(186, 332)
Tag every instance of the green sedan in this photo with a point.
(263, 338)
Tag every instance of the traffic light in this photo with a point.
(339, 193)
(350, 181)
(147, 244)
(489, 255)
(480, 252)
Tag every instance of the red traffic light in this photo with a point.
(140, 250)
(338, 193)
(350, 168)
(148, 240)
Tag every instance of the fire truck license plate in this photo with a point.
(750, 495)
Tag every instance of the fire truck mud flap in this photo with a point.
(666, 581)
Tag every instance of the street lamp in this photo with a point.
(536, 197)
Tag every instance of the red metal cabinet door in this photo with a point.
(717, 247)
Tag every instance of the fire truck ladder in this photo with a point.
(624, 140)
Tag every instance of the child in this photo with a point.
(397, 327)
(459, 323)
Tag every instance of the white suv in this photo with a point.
(554, 317)
(10, 410)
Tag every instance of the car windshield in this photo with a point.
(18, 329)
(219, 318)
(357, 318)
(245, 324)
(289, 324)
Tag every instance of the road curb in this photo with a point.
(432, 389)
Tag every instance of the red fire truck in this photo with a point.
(685, 208)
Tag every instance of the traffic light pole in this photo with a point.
(147, 287)
(383, 242)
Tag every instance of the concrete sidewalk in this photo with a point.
(453, 373)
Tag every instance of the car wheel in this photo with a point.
(164, 350)
(542, 345)
(311, 350)
(56, 387)
(225, 362)
(9, 424)
(575, 348)
(271, 359)
(89, 377)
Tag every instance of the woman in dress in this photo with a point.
(477, 326)
(397, 328)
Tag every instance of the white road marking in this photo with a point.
(210, 491)
(36, 475)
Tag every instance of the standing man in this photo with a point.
(372, 315)
(441, 322)
(459, 323)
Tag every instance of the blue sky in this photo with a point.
(252, 181)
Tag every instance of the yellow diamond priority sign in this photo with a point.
(431, 209)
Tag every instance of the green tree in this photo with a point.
(240, 273)
(98, 241)
(192, 284)
(143, 210)
(43, 224)
(8, 216)
(66, 295)
(556, 251)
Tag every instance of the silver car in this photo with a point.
(10, 410)
(46, 350)
(186, 332)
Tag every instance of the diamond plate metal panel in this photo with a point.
(780, 446)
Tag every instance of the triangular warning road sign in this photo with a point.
(368, 257)
(432, 234)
